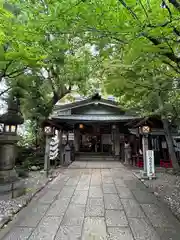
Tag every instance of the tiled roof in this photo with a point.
(86, 102)
(120, 118)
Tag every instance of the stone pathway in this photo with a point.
(94, 201)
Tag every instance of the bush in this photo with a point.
(28, 157)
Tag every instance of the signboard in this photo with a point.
(71, 137)
(150, 164)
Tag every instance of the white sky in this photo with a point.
(3, 105)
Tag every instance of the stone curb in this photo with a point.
(6, 219)
(158, 196)
(142, 180)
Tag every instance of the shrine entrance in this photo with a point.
(90, 143)
(95, 138)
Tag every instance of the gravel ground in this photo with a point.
(34, 182)
(167, 187)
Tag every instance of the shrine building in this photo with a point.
(100, 127)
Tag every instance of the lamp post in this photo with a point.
(148, 156)
(49, 132)
(145, 131)
(10, 184)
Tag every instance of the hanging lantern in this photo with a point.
(145, 129)
(114, 126)
(49, 131)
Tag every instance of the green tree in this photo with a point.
(135, 26)
(41, 59)
(60, 61)
(149, 87)
(19, 50)
(141, 38)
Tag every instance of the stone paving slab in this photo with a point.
(95, 207)
(96, 192)
(80, 197)
(124, 192)
(69, 233)
(132, 208)
(105, 173)
(67, 191)
(168, 233)
(19, 233)
(119, 233)
(74, 215)
(31, 219)
(144, 196)
(119, 182)
(46, 229)
(94, 228)
(107, 179)
(112, 201)
(96, 181)
(104, 202)
(116, 218)
(72, 181)
(157, 217)
(82, 187)
(58, 207)
(85, 178)
(142, 229)
(135, 184)
(109, 188)
(49, 197)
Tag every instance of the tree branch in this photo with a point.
(129, 10)
(3, 73)
(63, 91)
(18, 72)
(106, 34)
(173, 67)
(175, 3)
(168, 9)
(169, 55)
(144, 9)
(176, 31)
(6, 90)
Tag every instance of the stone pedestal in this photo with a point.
(143, 175)
(67, 155)
(10, 185)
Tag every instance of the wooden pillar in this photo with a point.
(113, 141)
(122, 147)
(46, 156)
(117, 141)
(77, 139)
(145, 148)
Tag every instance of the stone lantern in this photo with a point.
(10, 185)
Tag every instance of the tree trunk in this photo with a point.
(168, 135)
(170, 144)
